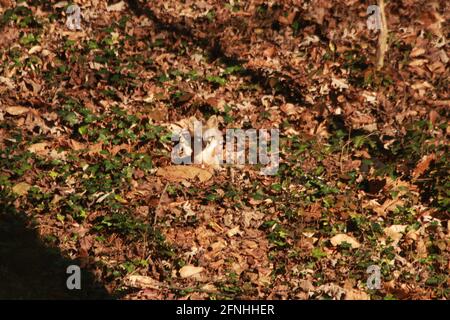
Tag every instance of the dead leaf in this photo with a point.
(76, 145)
(340, 84)
(114, 150)
(189, 271)
(289, 109)
(416, 52)
(423, 165)
(21, 188)
(38, 148)
(354, 294)
(35, 49)
(306, 285)
(8, 82)
(54, 154)
(418, 62)
(341, 238)
(16, 111)
(184, 172)
(234, 231)
(395, 232)
(421, 249)
(119, 6)
(289, 19)
(95, 148)
(388, 206)
(60, 4)
(313, 213)
(332, 290)
(269, 52)
(138, 281)
(6, 3)
(434, 116)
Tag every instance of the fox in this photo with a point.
(208, 143)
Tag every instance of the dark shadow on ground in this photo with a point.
(287, 87)
(31, 270)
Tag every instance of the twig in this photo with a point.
(159, 204)
(157, 285)
(383, 38)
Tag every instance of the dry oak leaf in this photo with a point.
(8, 82)
(289, 109)
(434, 116)
(16, 111)
(75, 145)
(388, 206)
(418, 62)
(269, 52)
(95, 148)
(6, 3)
(234, 231)
(21, 188)
(354, 294)
(289, 19)
(119, 6)
(189, 271)
(341, 238)
(180, 172)
(332, 290)
(423, 165)
(417, 52)
(395, 232)
(306, 285)
(38, 148)
(137, 281)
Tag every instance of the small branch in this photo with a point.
(383, 37)
(158, 285)
(158, 208)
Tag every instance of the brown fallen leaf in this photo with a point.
(16, 111)
(418, 62)
(332, 290)
(306, 285)
(21, 188)
(38, 148)
(395, 232)
(388, 206)
(6, 4)
(119, 6)
(423, 165)
(421, 249)
(289, 109)
(289, 19)
(189, 271)
(313, 213)
(178, 173)
(417, 52)
(114, 150)
(234, 231)
(35, 49)
(95, 148)
(341, 238)
(354, 294)
(76, 145)
(138, 281)
(58, 155)
(269, 52)
(434, 116)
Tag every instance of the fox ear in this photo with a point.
(212, 123)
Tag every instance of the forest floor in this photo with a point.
(85, 148)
